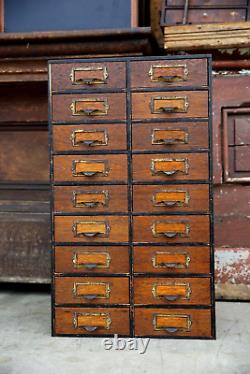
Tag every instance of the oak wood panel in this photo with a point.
(195, 197)
(155, 291)
(197, 104)
(61, 107)
(196, 73)
(66, 198)
(118, 229)
(143, 135)
(116, 168)
(65, 259)
(200, 319)
(64, 321)
(74, 290)
(63, 136)
(143, 227)
(199, 259)
(197, 167)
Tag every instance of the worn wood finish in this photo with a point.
(169, 137)
(185, 229)
(167, 198)
(200, 322)
(114, 165)
(89, 138)
(207, 3)
(172, 260)
(108, 259)
(196, 167)
(167, 291)
(90, 199)
(91, 290)
(64, 321)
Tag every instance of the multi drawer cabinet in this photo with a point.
(132, 223)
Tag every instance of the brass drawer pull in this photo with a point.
(171, 291)
(89, 75)
(169, 166)
(91, 290)
(168, 104)
(89, 107)
(171, 260)
(168, 73)
(169, 137)
(170, 229)
(89, 168)
(91, 321)
(170, 198)
(89, 138)
(90, 199)
(172, 323)
(91, 260)
(90, 229)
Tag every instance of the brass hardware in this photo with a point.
(77, 110)
(89, 290)
(172, 323)
(168, 104)
(89, 141)
(97, 168)
(90, 229)
(173, 73)
(176, 136)
(93, 75)
(170, 229)
(93, 199)
(173, 262)
(91, 260)
(170, 198)
(172, 291)
(91, 321)
(175, 165)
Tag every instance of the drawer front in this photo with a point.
(90, 168)
(92, 321)
(89, 199)
(169, 137)
(179, 260)
(169, 73)
(91, 229)
(91, 290)
(160, 105)
(88, 75)
(88, 107)
(89, 138)
(171, 229)
(94, 259)
(172, 166)
(166, 291)
(173, 322)
(171, 198)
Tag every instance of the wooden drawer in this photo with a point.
(91, 290)
(171, 166)
(169, 136)
(89, 138)
(175, 104)
(171, 259)
(169, 73)
(179, 291)
(171, 229)
(173, 322)
(91, 321)
(91, 229)
(171, 198)
(88, 75)
(87, 259)
(88, 107)
(90, 199)
(90, 168)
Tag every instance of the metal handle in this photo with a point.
(87, 142)
(90, 266)
(88, 81)
(90, 328)
(90, 296)
(170, 265)
(170, 234)
(168, 109)
(171, 297)
(167, 78)
(169, 172)
(91, 234)
(169, 203)
(88, 111)
(171, 330)
(89, 173)
(90, 204)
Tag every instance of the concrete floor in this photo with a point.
(27, 348)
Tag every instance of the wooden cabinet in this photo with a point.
(132, 235)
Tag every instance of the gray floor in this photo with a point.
(27, 348)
